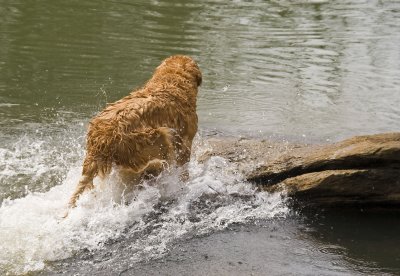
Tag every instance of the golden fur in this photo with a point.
(151, 126)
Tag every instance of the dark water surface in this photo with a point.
(308, 70)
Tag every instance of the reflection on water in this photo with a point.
(311, 69)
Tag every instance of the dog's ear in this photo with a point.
(199, 78)
(195, 70)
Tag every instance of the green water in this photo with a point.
(314, 68)
(302, 70)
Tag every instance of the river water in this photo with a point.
(311, 71)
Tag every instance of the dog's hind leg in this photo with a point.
(168, 148)
(151, 169)
(155, 167)
(89, 172)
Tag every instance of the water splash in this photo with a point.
(160, 212)
(38, 159)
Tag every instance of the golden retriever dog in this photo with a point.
(151, 127)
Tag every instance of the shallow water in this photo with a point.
(299, 70)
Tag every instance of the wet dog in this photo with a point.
(150, 128)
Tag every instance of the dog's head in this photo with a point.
(185, 63)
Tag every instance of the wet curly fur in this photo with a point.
(151, 127)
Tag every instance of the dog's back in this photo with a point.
(156, 122)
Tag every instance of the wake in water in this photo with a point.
(153, 216)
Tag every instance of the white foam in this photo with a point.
(32, 231)
(36, 160)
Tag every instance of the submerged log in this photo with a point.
(359, 170)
